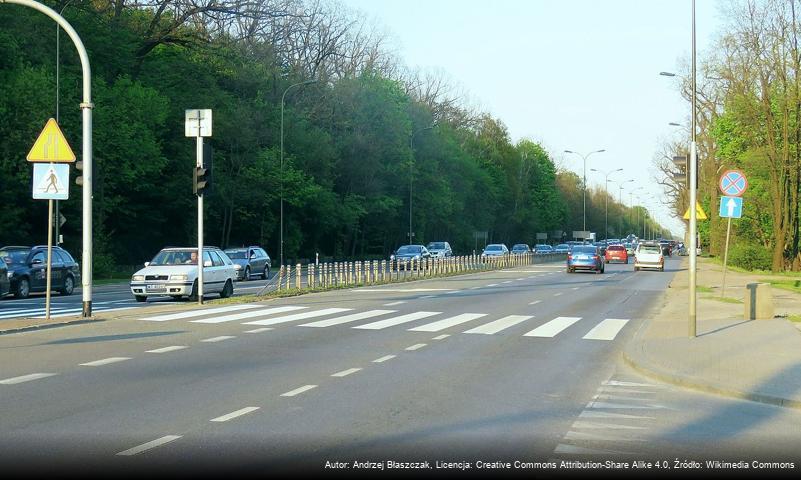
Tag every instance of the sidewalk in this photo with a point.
(758, 360)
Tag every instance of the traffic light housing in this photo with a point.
(202, 175)
(79, 168)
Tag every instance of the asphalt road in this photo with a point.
(517, 365)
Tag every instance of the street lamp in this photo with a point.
(606, 198)
(620, 202)
(692, 189)
(281, 234)
(57, 213)
(584, 182)
(411, 174)
(631, 205)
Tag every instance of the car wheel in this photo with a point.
(140, 298)
(568, 270)
(193, 295)
(247, 273)
(227, 290)
(266, 273)
(636, 269)
(23, 288)
(69, 286)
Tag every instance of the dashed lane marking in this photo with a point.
(26, 378)
(441, 337)
(298, 391)
(232, 415)
(259, 330)
(345, 373)
(416, 346)
(105, 361)
(218, 339)
(171, 348)
(384, 359)
(149, 445)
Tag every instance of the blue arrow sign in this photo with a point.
(731, 207)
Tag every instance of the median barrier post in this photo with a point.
(758, 302)
(298, 276)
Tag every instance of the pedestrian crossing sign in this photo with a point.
(51, 181)
(51, 146)
(699, 213)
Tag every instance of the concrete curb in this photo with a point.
(45, 326)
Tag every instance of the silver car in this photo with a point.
(173, 272)
(440, 249)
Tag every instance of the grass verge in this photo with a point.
(791, 285)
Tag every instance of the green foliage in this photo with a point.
(749, 256)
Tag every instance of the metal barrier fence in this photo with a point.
(321, 276)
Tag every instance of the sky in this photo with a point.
(578, 75)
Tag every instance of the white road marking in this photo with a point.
(441, 337)
(552, 328)
(259, 330)
(105, 361)
(535, 302)
(520, 279)
(611, 426)
(384, 359)
(598, 438)
(557, 294)
(448, 322)
(218, 339)
(623, 390)
(452, 291)
(345, 373)
(575, 288)
(606, 405)
(492, 285)
(474, 288)
(147, 446)
(232, 415)
(251, 314)
(299, 316)
(348, 318)
(586, 414)
(199, 313)
(298, 391)
(606, 330)
(416, 347)
(572, 449)
(167, 349)
(428, 296)
(402, 290)
(501, 324)
(26, 378)
(508, 281)
(615, 383)
(392, 304)
(391, 322)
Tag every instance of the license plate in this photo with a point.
(155, 288)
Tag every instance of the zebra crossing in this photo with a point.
(59, 312)
(380, 319)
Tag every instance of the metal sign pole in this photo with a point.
(49, 256)
(199, 222)
(725, 258)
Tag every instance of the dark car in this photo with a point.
(252, 260)
(27, 270)
(5, 285)
(410, 252)
(585, 257)
(520, 248)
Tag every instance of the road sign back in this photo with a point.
(733, 183)
(51, 146)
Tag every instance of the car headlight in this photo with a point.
(178, 277)
(138, 278)
(392, 257)
(237, 267)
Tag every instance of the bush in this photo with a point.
(750, 256)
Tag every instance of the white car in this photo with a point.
(173, 272)
(649, 255)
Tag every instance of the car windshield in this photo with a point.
(436, 246)
(563, 245)
(542, 247)
(616, 247)
(493, 248)
(584, 250)
(407, 249)
(14, 256)
(519, 246)
(175, 257)
(649, 249)
(236, 254)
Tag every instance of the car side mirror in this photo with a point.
(207, 263)
(147, 263)
(36, 261)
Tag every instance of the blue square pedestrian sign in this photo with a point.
(51, 181)
(731, 207)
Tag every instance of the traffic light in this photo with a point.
(202, 175)
(681, 175)
(79, 168)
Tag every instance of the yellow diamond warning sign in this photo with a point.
(51, 146)
(699, 213)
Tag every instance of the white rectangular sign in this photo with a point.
(51, 181)
(198, 123)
